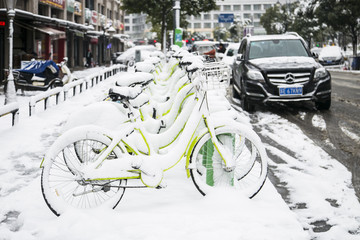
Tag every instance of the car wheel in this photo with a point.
(246, 104)
(323, 105)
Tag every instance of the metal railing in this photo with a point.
(75, 87)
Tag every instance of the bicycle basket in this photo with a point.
(216, 76)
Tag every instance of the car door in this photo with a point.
(238, 62)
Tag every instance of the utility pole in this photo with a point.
(178, 31)
(10, 93)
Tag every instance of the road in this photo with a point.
(336, 131)
(341, 136)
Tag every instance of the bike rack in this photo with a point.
(44, 96)
(82, 83)
(12, 108)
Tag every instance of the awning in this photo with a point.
(54, 33)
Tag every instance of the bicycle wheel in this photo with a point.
(207, 168)
(63, 187)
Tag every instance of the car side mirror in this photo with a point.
(315, 55)
(239, 57)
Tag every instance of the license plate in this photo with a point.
(289, 91)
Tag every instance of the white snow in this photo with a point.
(318, 122)
(178, 211)
(315, 179)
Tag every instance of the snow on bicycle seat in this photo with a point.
(144, 67)
(195, 65)
(189, 59)
(133, 79)
(140, 100)
(124, 93)
(152, 60)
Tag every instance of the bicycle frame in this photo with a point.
(181, 145)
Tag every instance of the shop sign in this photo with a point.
(77, 8)
(102, 19)
(109, 22)
(55, 3)
(94, 40)
(87, 15)
(70, 5)
(94, 17)
(117, 24)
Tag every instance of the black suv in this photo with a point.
(279, 68)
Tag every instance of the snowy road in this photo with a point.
(320, 192)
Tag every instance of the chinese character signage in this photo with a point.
(94, 17)
(226, 18)
(88, 15)
(178, 36)
(70, 5)
(56, 3)
(77, 8)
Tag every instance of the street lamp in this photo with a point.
(10, 93)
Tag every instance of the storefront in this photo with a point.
(50, 43)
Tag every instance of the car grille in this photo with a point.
(280, 78)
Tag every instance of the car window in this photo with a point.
(277, 48)
(230, 52)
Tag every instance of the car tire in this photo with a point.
(325, 105)
(246, 104)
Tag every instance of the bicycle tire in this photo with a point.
(250, 173)
(61, 187)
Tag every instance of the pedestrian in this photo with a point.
(221, 48)
(89, 59)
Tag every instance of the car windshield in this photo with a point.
(277, 48)
(204, 49)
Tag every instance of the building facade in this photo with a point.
(54, 29)
(136, 26)
(248, 11)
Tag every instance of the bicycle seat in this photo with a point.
(133, 79)
(194, 66)
(188, 60)
(124, 93)
(144, 67)
(152, 60)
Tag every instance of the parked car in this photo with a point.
(279, 68)
(331, 55)
(315, 51)
(205, 48)
(129, 55)
(114, 56)
(229, 56)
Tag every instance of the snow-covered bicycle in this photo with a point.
(90, 166)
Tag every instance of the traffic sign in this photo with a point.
(226, 18)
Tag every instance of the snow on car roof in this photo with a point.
(272, 37)
(205, 43)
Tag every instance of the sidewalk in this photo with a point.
(176, 212)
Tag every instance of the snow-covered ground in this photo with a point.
(320, 189)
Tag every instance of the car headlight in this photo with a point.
(255, 75)
(320, 73)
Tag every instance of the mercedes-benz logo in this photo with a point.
(289, 78)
